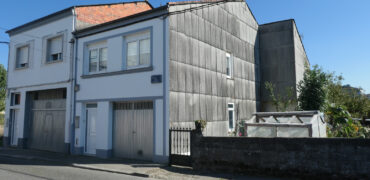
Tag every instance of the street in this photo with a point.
(12, 168)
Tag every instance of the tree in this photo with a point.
(2, 87)
(281, 103)
(313, 89)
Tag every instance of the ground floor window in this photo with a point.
(230, 110)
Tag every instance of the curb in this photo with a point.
(81, 166)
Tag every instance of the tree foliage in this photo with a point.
(2, 87)
(313, 89)
(324, 91)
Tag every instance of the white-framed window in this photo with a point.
(54, 49)
(138, 50)
(22, 56)
(229, 66)
(231, 116)
(97, 57)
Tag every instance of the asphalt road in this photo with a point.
(12, 168)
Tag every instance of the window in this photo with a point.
(16, 99)
(138, 51)
(229, 66)
(98, 59)
(55, 49)
(230, 110)
(22, 56)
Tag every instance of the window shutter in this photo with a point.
(56, 45)
(23, 55)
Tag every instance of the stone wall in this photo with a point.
(302, 157)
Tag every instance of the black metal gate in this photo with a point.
(180, 146)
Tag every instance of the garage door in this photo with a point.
(47, 125)
(133, 130)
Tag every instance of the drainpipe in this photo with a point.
(73, 85)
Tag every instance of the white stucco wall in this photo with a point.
(39, 75)
(110, 88)
(38, 71)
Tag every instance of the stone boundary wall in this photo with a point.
(301, 157)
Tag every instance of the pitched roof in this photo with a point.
(90, 14)
(98, 14)
(202, 1)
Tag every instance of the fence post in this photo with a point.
(169, 151)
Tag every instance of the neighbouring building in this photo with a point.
(282, 58)
(132, 78)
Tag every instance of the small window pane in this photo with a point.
(228, 67)
(55, 49)
(145, 52)
(231, 119)
(132, 56)
(103, 59)
(93, 59)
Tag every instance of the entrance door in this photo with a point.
(91, 115)
(133, 130)
(14, 126)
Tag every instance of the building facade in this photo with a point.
(40, 95)
(131, 79)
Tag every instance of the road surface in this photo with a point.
(12, 168)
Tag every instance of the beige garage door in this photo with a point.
(133, 130)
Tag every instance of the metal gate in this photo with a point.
(47, 125)
(180, 146)
(133, 130)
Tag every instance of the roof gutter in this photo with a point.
(41, 21)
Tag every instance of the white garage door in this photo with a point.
(133, 130)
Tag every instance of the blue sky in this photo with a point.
(336, 33)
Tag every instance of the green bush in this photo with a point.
(341, 124)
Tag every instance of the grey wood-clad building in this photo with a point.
(202, 36)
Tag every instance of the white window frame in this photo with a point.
(228, 118)
(146, 35)
(48, 59)
(17, 64)
(98, 47)
(230, 65)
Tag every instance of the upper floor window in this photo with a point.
(22, 57)
(229, 66)
(98, 58)
(55, 49)
(138, 50)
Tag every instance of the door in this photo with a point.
(47, 125)
(91, 115)
(133, 130)
(14, 126)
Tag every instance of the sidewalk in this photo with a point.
(121, 166)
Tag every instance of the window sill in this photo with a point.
(230, 78)
(129, 71)
(21, 68)
(52, 62)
